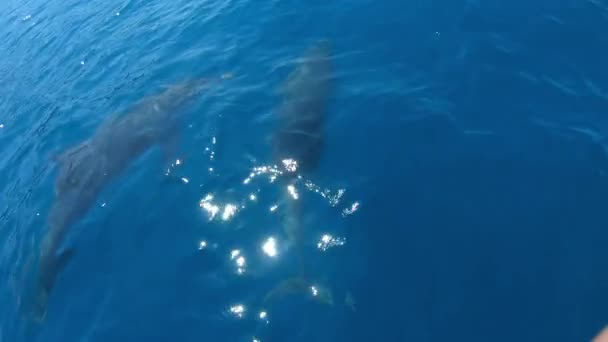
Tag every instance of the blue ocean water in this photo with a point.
(461, 193)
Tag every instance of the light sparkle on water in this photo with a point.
(292, 191)
(229, 211)
(270, 247)
(240, 261)
(238, 310)
(349, 211)
(209, 206)
(234, 253)
(327, 241)
(291, 165)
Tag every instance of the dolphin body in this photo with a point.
(298, 142)
(85, 169)
(301, 116)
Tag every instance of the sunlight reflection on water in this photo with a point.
(256, 195)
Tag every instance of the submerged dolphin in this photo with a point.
(301, 116)
(298, 142)
(85, 169)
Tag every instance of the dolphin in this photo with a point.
(298, 143)
(301, 115)
(85, 169)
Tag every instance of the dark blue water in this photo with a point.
(462, 187)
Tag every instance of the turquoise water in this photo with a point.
(460, 192)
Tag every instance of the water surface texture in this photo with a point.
(452, 180)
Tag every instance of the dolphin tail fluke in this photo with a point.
(299, 286)
(47, 275)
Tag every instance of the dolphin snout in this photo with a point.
(322, 48)
(324, 45)
(200, 84)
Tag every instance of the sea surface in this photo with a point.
(461, 194)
